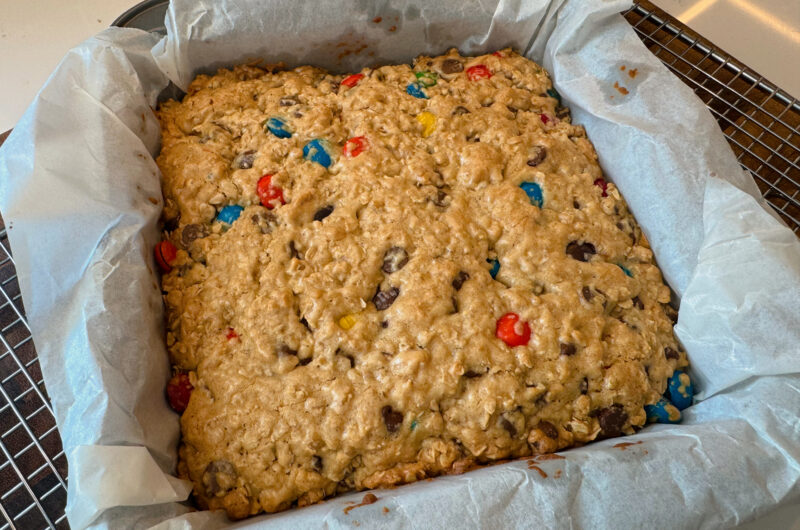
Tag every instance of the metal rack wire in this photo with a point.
(761, 122)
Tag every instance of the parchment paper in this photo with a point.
(80, 195)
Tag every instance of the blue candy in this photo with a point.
(625, 270)
(662, 412)
(553, 93)
(279, 128)
(229, 214)
(495, 267)
(680, 389)
(413, 89)
(534, 193)
(316, 151)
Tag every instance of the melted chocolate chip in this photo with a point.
(391, 418)
(586, 292)
(265, 221)
(576, 205)
(288, 101)
(394, 260)
(323, 212)
(316, 463)
(384, 299)
(285, 351)
(441, 198)
(244, 160)
(548, 429)
(580, 251)
(452, 66)
(508, 426)
(471, 374)
(459, 280)
(567, 349)
(192, 232)
(455, 304)
(170, 225)
(671, 313)
(539, 154)
(562, 113)
(585, 386)
(303, 362)
(458, 111)
(612, 419)
(637, 303)
(670, 353)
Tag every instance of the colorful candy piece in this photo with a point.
(495, 267)
(179, 390)
(317, 151)
(413, 89)
(352, 80)
(414, 424)
(497, 54)
(662, 412)
(355, 146)
(553, 93)
(603, 185)
(231, 334)
(428, 121)
(680, 389)
(348, 321)
(278, 127)
(478, 72)
(165, 253)
(270, 196)
(229, 214)
(511, 331)
(626, 270)
(545, 118)
(426, 79)
(534, 193)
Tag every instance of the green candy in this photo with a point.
(426, 78)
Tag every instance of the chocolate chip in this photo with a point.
(538, 156)
(244, 160)
(288, 101)
(455, 304)
(385, 324)
(580, 251)
(394, 260)
(576, 205)
(265, 221)
(285, 351)
(297, 114)
(192, 232)
(471, 374)
(508, 426)
(170, 225)
(586, 292)
(392, 418)
(567, 349)
(637, 303)
(459, 280)
(548, 429)
(219, 477)
(562, 113)
(323, 212)
(612, 419)
(585, 386)
(316, 463)
(303, 362)
(458, 111)
(452, 66)
(383, 299)
(304, 322)
(669, 353)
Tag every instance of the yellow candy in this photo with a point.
(428, 121)
(347, 321)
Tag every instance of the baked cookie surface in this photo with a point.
(394, 275)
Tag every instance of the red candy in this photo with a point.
(270, 196)
(231, 334)
(179, 390)
(545, 118)
(479, 71)
(603, 185)
(352, 80)
(165, 254)
(497, 54)
(355, 146)
(511, 331)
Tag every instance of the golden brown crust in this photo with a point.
(292, 403)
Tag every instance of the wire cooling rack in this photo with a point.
(761, 122)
